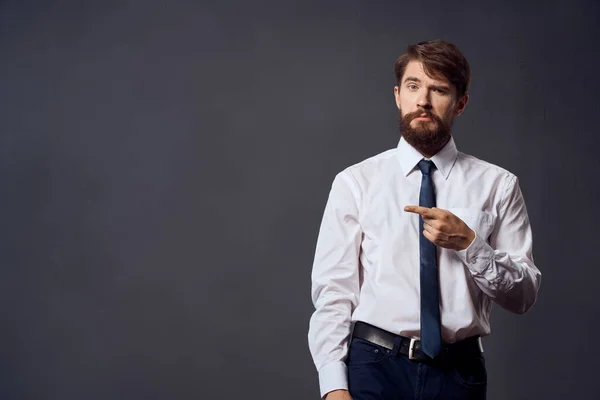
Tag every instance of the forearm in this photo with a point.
(328, 340)
(511, 280)
(335, 291)
(335, 295)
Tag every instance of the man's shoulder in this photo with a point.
(371, 164)
(360, 175)
(484, 166)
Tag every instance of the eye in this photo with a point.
(412, 86)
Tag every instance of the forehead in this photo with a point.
(415, 69)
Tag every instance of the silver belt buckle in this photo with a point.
(411, 348)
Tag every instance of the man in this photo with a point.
(415, 245)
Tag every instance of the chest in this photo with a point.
(382, 216)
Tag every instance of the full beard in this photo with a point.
(428, 137)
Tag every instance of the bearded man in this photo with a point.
(415, 245)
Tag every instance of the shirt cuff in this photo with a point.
(477, 256)
(333, 376)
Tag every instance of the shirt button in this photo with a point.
(473, 261)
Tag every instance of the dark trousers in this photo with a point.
(377, 373)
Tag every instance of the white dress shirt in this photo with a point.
(366, 264)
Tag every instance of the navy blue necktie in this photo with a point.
(431, 338)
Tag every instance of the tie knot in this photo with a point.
(425, 166)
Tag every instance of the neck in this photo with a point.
(431, 150)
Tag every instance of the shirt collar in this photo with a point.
(409, 157)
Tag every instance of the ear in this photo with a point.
(397, 96)
(461, 105)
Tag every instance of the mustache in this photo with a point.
(420, 113)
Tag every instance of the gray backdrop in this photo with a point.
(165, 167)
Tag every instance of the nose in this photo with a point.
(423, 100)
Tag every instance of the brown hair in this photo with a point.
(439, 58)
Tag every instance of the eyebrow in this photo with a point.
(412, 79)
(417, 80)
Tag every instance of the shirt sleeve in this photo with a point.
(503, 267)
(335, 283)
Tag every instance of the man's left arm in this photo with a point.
(504, 267)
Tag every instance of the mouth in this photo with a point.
(422, 118)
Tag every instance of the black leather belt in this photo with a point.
(412, 347)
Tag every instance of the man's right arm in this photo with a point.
(335, 285)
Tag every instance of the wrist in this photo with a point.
(470, 236)
(336, 394)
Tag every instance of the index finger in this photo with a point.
(424, 211)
